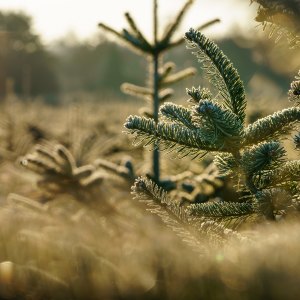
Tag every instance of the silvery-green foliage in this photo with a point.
(253, 154)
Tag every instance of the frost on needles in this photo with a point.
(251, 154)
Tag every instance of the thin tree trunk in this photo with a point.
(155, 62)
(156, 170)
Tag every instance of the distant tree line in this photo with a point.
(98, 68)
(26, 67)
(29, 69)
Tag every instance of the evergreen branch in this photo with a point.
(138, 33)
(144, 128)
(289, 6)
(220, 209)
(164, 95)
(174, 78)
(145, 189)
(137, 91)
(136, 42)
(159, 203)
(68, 160)
(208, 24)
(178, 114)
(171, 135)
(223, 125)
(264, 203)
(187, 227)
(83, 172)
(226, 163)
(111, 30)
(216, 232)
(173, 27)
(39, 166)
(288, 172)
(94, 180)
(127, 163)
(282, 17)
(50, 160)
(269, 201)
(59, 172)
(185, 140)
(198, 94)
(146, 112)
(200, 28)
(44, 153)
(220, 71)
(266, 155)
(166, 70)
(124, 171)
(128, 38)
(272, 126)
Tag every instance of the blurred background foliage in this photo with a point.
(99, 66)
(26, 66)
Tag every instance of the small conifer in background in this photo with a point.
(161, 74)
(59, 173)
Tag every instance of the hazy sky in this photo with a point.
(55, 18)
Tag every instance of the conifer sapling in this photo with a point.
(161, 75)
(215, 123)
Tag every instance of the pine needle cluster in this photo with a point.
(184, 221)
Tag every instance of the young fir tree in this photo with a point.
(161, 75)
(215, 124)
(59, 172)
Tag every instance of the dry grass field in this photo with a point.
(64, 239)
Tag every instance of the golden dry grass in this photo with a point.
(54, 246)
